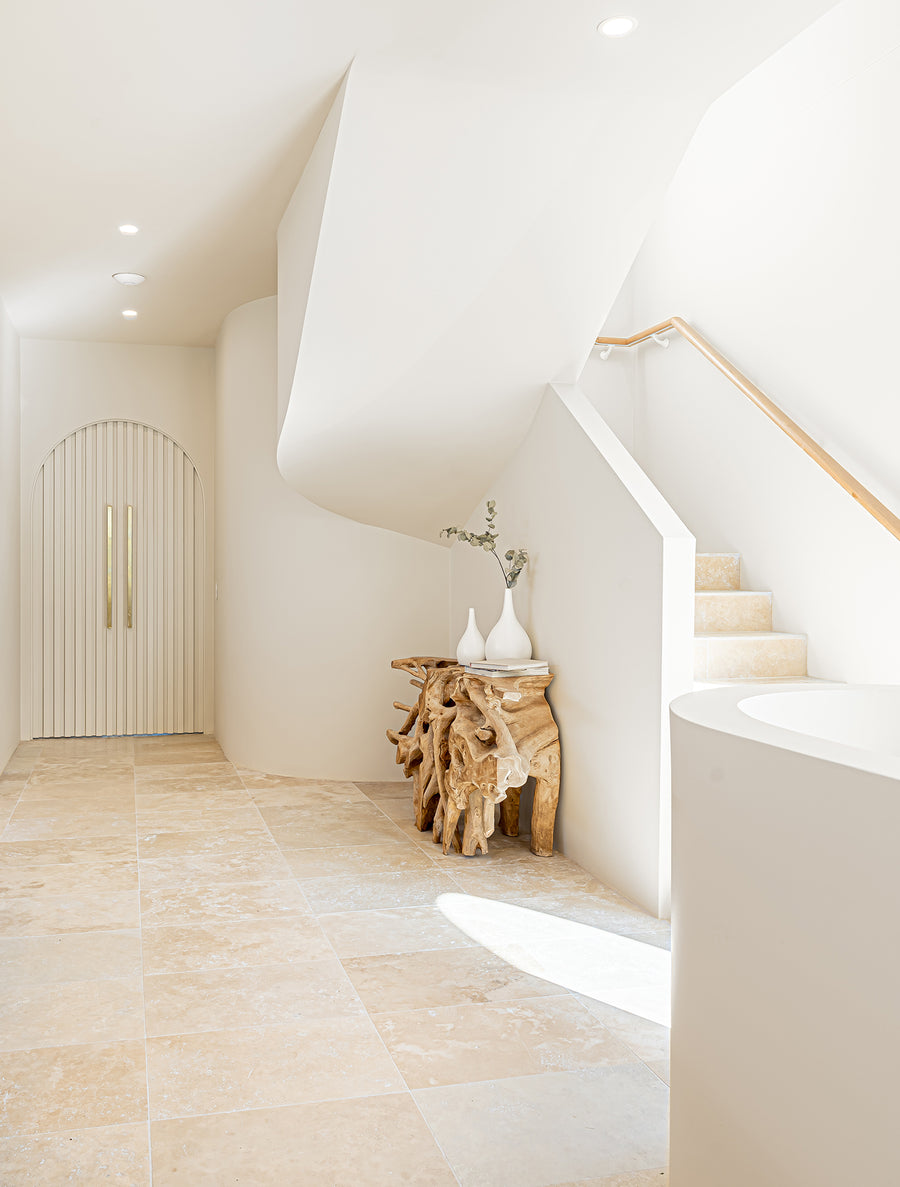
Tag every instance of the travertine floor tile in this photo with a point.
(287, 939)
(315, 835)
(231, 901)
(556, 1127)
(391, 789)
(401, 929)
(648, 1040)
(152, 773)
(218, 798)
(63, 1013)
(202, 820)
(47, 772)
(230, 842)
(79, 796)
(56, 914)
(79, 956)
(262, 780)
(36, 822)
(264, 995)
(149, 787)
(39, 881)
(224, 1070)
(116, 1154)
(145, 742)
(169, 755)
(318, 796)
(104, 749)
(354, 1143)
(207, 870)
(26, 749)
(658, 1177)
(397, 808)
(357, 860)
(456, 1044)
(360, 892)
(65, 850)
(76, 1087)
(443, 977)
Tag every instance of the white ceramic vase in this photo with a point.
(508, 639)
(471, 645)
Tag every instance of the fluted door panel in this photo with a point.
(94, 672)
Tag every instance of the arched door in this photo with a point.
(117, 581)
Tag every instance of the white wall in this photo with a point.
(311, 607)
(786, 970)
(607, 600)
(9, 538)
(779, 240)
(69, 384)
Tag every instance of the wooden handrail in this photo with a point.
(821, 457)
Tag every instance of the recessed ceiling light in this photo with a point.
(617, 26)
(129, 229)
(129, 277)
(129, 313)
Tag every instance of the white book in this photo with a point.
(508, 665)
(501, 672)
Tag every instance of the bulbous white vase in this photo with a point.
(508, 639)
(471, 645)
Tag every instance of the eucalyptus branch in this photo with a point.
(487, 540)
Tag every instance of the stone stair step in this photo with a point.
(761, 681)
(732, 610)
(717, 570)
(748, 655)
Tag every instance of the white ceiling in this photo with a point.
(194, 118)
(190, 118)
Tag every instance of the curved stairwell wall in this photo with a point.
(311, 608)
(779, 240)
(607, 597)
(466, 221)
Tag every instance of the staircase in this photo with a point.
(733, 636)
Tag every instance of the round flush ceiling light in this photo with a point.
(129, 313)
(129, 277)
(617, 26)
(129, 229)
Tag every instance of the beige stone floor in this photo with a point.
(215, 976)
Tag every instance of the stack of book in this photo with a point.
(508, 667)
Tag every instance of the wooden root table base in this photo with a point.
(470, 742)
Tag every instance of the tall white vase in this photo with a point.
(471, 645)
(508, 639)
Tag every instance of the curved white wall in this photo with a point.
(9, 538)
(779, 240)
(786, 970)
(311, 607)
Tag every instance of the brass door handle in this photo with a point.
(109, 565)
(129, 618)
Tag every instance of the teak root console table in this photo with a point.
(471, 741)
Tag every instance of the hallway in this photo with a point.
(244, 978)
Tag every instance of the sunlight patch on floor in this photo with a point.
(614, 969)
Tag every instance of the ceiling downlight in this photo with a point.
(617, 26)
(129, 278)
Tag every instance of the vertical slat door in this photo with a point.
(88, 678)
